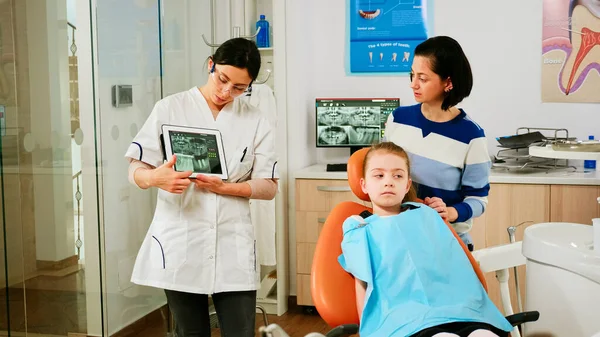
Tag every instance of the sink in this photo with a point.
(563, 279)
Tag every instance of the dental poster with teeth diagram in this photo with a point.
(571, 51)
(383, 34)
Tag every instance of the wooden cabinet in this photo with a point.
(523, 205)
(314, 199)
(509, 205)
(574, 203)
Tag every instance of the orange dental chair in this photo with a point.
(332, 288)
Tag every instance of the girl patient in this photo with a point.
(412, 276)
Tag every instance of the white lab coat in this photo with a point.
(201, 242)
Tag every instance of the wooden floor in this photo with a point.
(46, 305)
(50, 305)
(295, 322)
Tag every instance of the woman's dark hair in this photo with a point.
(448, 61)
(240, 53)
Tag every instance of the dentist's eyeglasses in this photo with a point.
(224, 84)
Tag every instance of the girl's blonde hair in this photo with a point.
(389, 147)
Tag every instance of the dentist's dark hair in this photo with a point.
(449, 62)
(240, 53)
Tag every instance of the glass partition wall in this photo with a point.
(48, 220)
(147, 49)
(71, 224)
(127, 61)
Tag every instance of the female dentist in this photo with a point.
(447, 149)
(201, 240)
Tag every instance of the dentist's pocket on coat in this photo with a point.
(244, 241)
(169, 244)
(240, 167)
(246, 253)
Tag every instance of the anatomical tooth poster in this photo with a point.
(383, 34)
(571, 51)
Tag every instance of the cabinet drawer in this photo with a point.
(322, 195)
(303, 295)
(309, 226)
(304, 257)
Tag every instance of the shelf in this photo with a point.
(269, 304)
(266, 49)
(269, 299)
(548, 152)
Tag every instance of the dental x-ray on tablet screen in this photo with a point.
(197, 149)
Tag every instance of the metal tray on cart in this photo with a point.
(576, 145)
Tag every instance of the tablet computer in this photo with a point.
(198, 150)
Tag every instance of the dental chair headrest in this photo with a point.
(355, 173)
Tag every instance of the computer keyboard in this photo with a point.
(337, 167)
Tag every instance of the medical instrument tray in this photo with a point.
(514, 154)
(521, 141)
(577, 146)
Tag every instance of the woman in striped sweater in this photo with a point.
(447, 149)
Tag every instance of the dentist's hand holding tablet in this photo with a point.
(164, 177)
(210, 183)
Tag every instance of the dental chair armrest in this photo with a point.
(523, 317)
(343, 330)
(500, 257)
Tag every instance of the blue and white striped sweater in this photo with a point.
(449, 160)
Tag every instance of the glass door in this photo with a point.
(147, 49)
(49, 259)
(127, 61)
(70, 222)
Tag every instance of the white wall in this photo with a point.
(502, 41)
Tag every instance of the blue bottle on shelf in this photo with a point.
(590, 164)
(262, 39)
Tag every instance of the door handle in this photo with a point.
(333, 188)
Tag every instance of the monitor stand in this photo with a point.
(354, 149)
(342, 167)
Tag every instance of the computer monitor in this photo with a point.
(352, 122)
